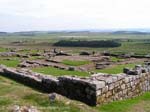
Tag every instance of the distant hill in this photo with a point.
(130, 32)
(3, 33)
(76, 32)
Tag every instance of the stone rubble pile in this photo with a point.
(102, 65)
(8, 54)
(98, 89)
(11, 54)
(137, 70)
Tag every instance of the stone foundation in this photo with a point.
(98, 89)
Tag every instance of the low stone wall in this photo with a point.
(126, 55)
(118, 88)
(41, 64)
(8, 54)
(97, 89)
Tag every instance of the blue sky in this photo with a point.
(26, 15)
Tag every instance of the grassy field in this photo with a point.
(13, 93)
(116, 69)
(3, 49)
(10, 63)
(75, 63)
(132, 47)
(139, 44)
(57, 72)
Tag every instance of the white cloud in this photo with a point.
(75, 14)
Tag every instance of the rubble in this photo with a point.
(102, 65)
(8, 54)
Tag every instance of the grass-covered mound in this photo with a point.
(100, 43)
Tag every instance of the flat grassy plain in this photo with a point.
(139, 44)
(138, 48)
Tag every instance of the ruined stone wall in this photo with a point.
(118, 88)
(98, 89)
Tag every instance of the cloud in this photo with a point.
(74, 14)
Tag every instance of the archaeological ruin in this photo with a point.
(98, 89)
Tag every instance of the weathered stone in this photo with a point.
(111, 86)
(71, 68)
(52, 97)
(126, 70)
(98, 84)
(105, 89)
(108, 94)
(123, 86)
(98, 92)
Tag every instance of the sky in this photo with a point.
(44, 15)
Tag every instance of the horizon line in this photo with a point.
(82, 30)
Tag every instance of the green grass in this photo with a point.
(125, 105)
(10, 63)
(132, 47)
(116, 69)
(3, 49)
(13, 93)
(36, 57)
(75, 63)
(115, 59)
(58, 72)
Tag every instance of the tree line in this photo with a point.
(100, 43)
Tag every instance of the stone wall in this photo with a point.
(126, 55)
(98, 89)
(122, 87)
